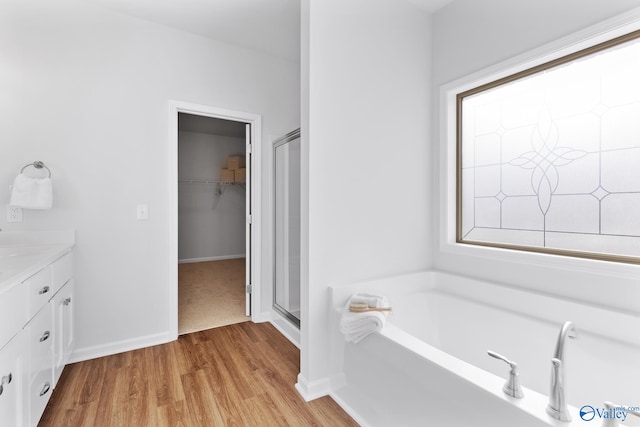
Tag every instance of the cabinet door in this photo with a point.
(41, 335)
(11, 382)
(64, 310)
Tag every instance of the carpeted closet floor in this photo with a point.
(211, 294)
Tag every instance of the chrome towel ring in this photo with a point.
(38, 165)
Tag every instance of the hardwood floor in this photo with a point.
(237, 375)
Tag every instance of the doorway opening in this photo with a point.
(212, 197)
(214, 231)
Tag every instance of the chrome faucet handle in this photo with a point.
(512, 386)
(612, 421)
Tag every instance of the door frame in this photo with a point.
(255, 120)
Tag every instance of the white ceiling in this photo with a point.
(430, 5)
(269, 26)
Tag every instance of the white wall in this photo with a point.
(210, 225)
(365, 154)
(470, 36)
(86, 91)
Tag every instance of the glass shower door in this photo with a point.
(286, 166)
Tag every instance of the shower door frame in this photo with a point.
(253, 250)
(284, 140)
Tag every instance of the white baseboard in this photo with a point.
(286, 328)
(211, 258)
(263, 316)
(313, 390)
(87, 353)
(349, 410)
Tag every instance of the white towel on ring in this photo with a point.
(31, 193)
(356, 326)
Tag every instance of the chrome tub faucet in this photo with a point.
(512, 386)
(557, 407)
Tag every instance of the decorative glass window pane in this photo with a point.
(549, 158)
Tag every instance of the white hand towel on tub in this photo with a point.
(31, 193)
(356, 326)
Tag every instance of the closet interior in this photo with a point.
(212, 188)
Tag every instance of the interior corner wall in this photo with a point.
(211, 217)
(87, 91)
(366, 121)
(470, 36)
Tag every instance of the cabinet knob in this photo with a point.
(44, 290)
(67, 301)
(45, 336)
(45, 389)
(5, 380)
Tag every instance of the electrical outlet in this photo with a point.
(14, 214)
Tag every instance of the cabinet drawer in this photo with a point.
(40, 333)
(62, 270)
(40, 390)
(40, 290)
(14, 312)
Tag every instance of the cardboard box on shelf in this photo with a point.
(235, 162)
(227, 175)
(241, 175)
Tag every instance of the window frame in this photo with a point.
(577, 45)
(617, 41)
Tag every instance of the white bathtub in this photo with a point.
(429, 366)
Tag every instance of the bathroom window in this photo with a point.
(548, 159)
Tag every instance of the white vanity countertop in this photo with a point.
(23, 253)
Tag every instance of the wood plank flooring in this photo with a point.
(237, 375)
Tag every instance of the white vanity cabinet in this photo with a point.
(12, 381)
(36, 339)
(14, 313)
(40, 333)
